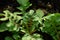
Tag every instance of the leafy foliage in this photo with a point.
(34, 37)
(52, 25)
(29, 22)
(24, 4)
(8, 38)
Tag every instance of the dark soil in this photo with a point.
(47, 5)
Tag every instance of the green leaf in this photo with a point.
(37, 36)
(16, 36)
(23, 2)
(39, 13)
(3, 27)
(2, 14)
(38, 16)
(11, 26)
(31, 12)
(8, 38)
(26, 37)
(23, 8)
(33, 37)
(7, 15)
(20, 8)
(4, 19)
(52, 25)
(17, 13)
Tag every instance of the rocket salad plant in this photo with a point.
(29, 22)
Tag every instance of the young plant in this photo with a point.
(23, 27)
(26, 24)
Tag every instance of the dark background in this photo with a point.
(42, 4)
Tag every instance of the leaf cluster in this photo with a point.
(29, 22)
